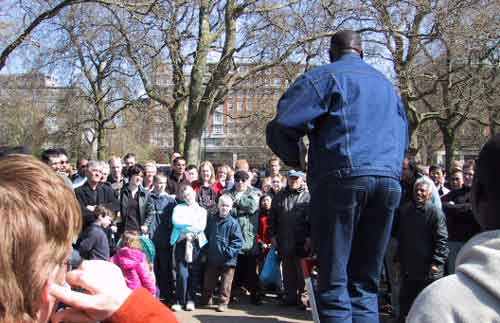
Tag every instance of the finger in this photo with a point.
(71, 298)
(71, 315)
(80, 278)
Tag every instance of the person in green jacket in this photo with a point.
(245, 207)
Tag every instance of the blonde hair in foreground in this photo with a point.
(39, 217)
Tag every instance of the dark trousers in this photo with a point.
(211, 278)
(187, 274)
(351, 220)
(246, 273)
(165, 277)
(293, 279)
(410, 288)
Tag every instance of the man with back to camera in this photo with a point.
(357, 129)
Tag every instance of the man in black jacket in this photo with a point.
(457, 206)
(289, 208)
(94, 193)
(423, 247)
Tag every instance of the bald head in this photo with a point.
(343, 42)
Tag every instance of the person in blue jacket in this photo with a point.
(358, 135)
(225, 241)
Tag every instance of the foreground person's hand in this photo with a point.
(105, 291)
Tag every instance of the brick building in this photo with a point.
(236, 127)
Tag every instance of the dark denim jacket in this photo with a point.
(353, 116)
(225, 241)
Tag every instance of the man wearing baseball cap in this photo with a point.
(288, 211)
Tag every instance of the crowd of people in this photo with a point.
(146, 233)
(199, 222)
(207, 223)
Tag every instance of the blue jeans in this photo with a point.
(351, 220)
(187, 274)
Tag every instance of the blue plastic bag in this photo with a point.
(271, 271)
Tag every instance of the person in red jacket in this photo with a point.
(264, 236)
(41, 216)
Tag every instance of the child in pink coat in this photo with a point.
(134, 264)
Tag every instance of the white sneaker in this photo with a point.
(190, 306)
(176, 307)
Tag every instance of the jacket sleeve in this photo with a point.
(179, 220)
(235, 241)
(298, 108)
(88, 216)
(461, 209)
(273, 218)
(85, 245)
(146, 277)
(248, 203)
(440, 237)
(149, 211)
(110, 200)
(436, 200)
(142, 307)
(201, 223)
(102, 247)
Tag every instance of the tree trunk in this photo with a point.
(491, 122)
(101, 147)
(192, 148)
(178, 117)
(449, 148)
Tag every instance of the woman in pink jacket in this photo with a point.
(133, 263)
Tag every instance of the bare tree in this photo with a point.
(204, 43)
(425, 45)
(89, 55)
(33, 14)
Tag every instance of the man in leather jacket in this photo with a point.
(289, 208)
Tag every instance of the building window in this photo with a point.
(239, 106)
(218, 118)
(218, 130)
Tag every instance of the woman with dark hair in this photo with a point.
(133, 198)
(263, 235)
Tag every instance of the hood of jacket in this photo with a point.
(127, 258)
(479, 260)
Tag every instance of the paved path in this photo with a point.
(269, 312)
(246, 313)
